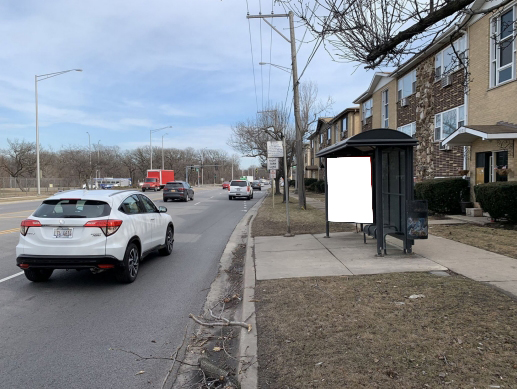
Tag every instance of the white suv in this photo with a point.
(240, 188)
(97, 229)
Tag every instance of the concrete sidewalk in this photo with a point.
(345, 253)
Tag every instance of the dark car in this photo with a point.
(256, 185)
(178, 190)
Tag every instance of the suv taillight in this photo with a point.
(26, 224)
(108, 227)
(181, 189)
(248, 188)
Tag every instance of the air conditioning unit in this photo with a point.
(404, 102)
(443, 147)
(446, 80)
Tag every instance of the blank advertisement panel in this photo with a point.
(350, 189)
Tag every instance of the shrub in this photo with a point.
(499, 199)
(309, 181)
(443, 195)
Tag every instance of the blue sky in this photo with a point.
(149, 64)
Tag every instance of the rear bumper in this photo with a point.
(67, 262)
(239, 194)
(174, 195)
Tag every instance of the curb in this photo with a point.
(217, 288)
(248, 349)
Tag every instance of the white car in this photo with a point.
(240, 188)
(97, 229)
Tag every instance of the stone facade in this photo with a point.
(430, 98)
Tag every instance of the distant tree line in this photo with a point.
(78, 164)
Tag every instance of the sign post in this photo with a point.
(272, 176)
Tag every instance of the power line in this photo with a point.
(261, 70)
(270, 50)
(252, 60)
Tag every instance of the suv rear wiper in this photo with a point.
(74, 217)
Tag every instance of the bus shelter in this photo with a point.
(394, 210)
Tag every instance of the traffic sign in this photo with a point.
(272, 174)
(272, 163)
(275, 149)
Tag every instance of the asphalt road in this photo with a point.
(79, 330)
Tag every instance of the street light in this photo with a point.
(150, 141)
(36, 79)
(285, 69)
(163, 163)
(90, 152)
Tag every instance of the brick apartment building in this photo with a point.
(491, 129)
(329, 130)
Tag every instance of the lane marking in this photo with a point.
(9, 231)
(197, 203)
(12, 213)
(14, 217)
(8, 278)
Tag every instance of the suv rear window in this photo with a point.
(174, 185)
(72, 208)
(238, 183)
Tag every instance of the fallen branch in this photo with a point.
(223, 323)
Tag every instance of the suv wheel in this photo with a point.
(143, 190)
(38, 275)
(131, 263)
(230, 198)
(169, 243)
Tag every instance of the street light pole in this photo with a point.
(36, 80)
(163, 161)
(90, 152)
(151, 141)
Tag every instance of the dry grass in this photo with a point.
(365, 332)
(272, 221)
(498, 240)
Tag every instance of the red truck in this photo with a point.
(156, 179)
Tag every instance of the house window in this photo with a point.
(329, 135)
(312, 144)
(385, 111)
(409, 129)
(367, 109)
(502, 53)
(407, 85)
(447, 122)
(321, 138)
(344, 124)
(446, 61)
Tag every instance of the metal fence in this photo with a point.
(23, 186)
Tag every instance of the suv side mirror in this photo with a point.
(162, 209)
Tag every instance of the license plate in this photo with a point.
(64, 233)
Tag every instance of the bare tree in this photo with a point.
(250, 138)
(19, 160)
(377, 33)
(310, 110)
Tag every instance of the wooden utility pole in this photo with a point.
(300, 168)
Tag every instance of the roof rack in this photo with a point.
(122, 191)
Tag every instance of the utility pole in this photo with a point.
(90, 152)
(296, 101)
(297, 121)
